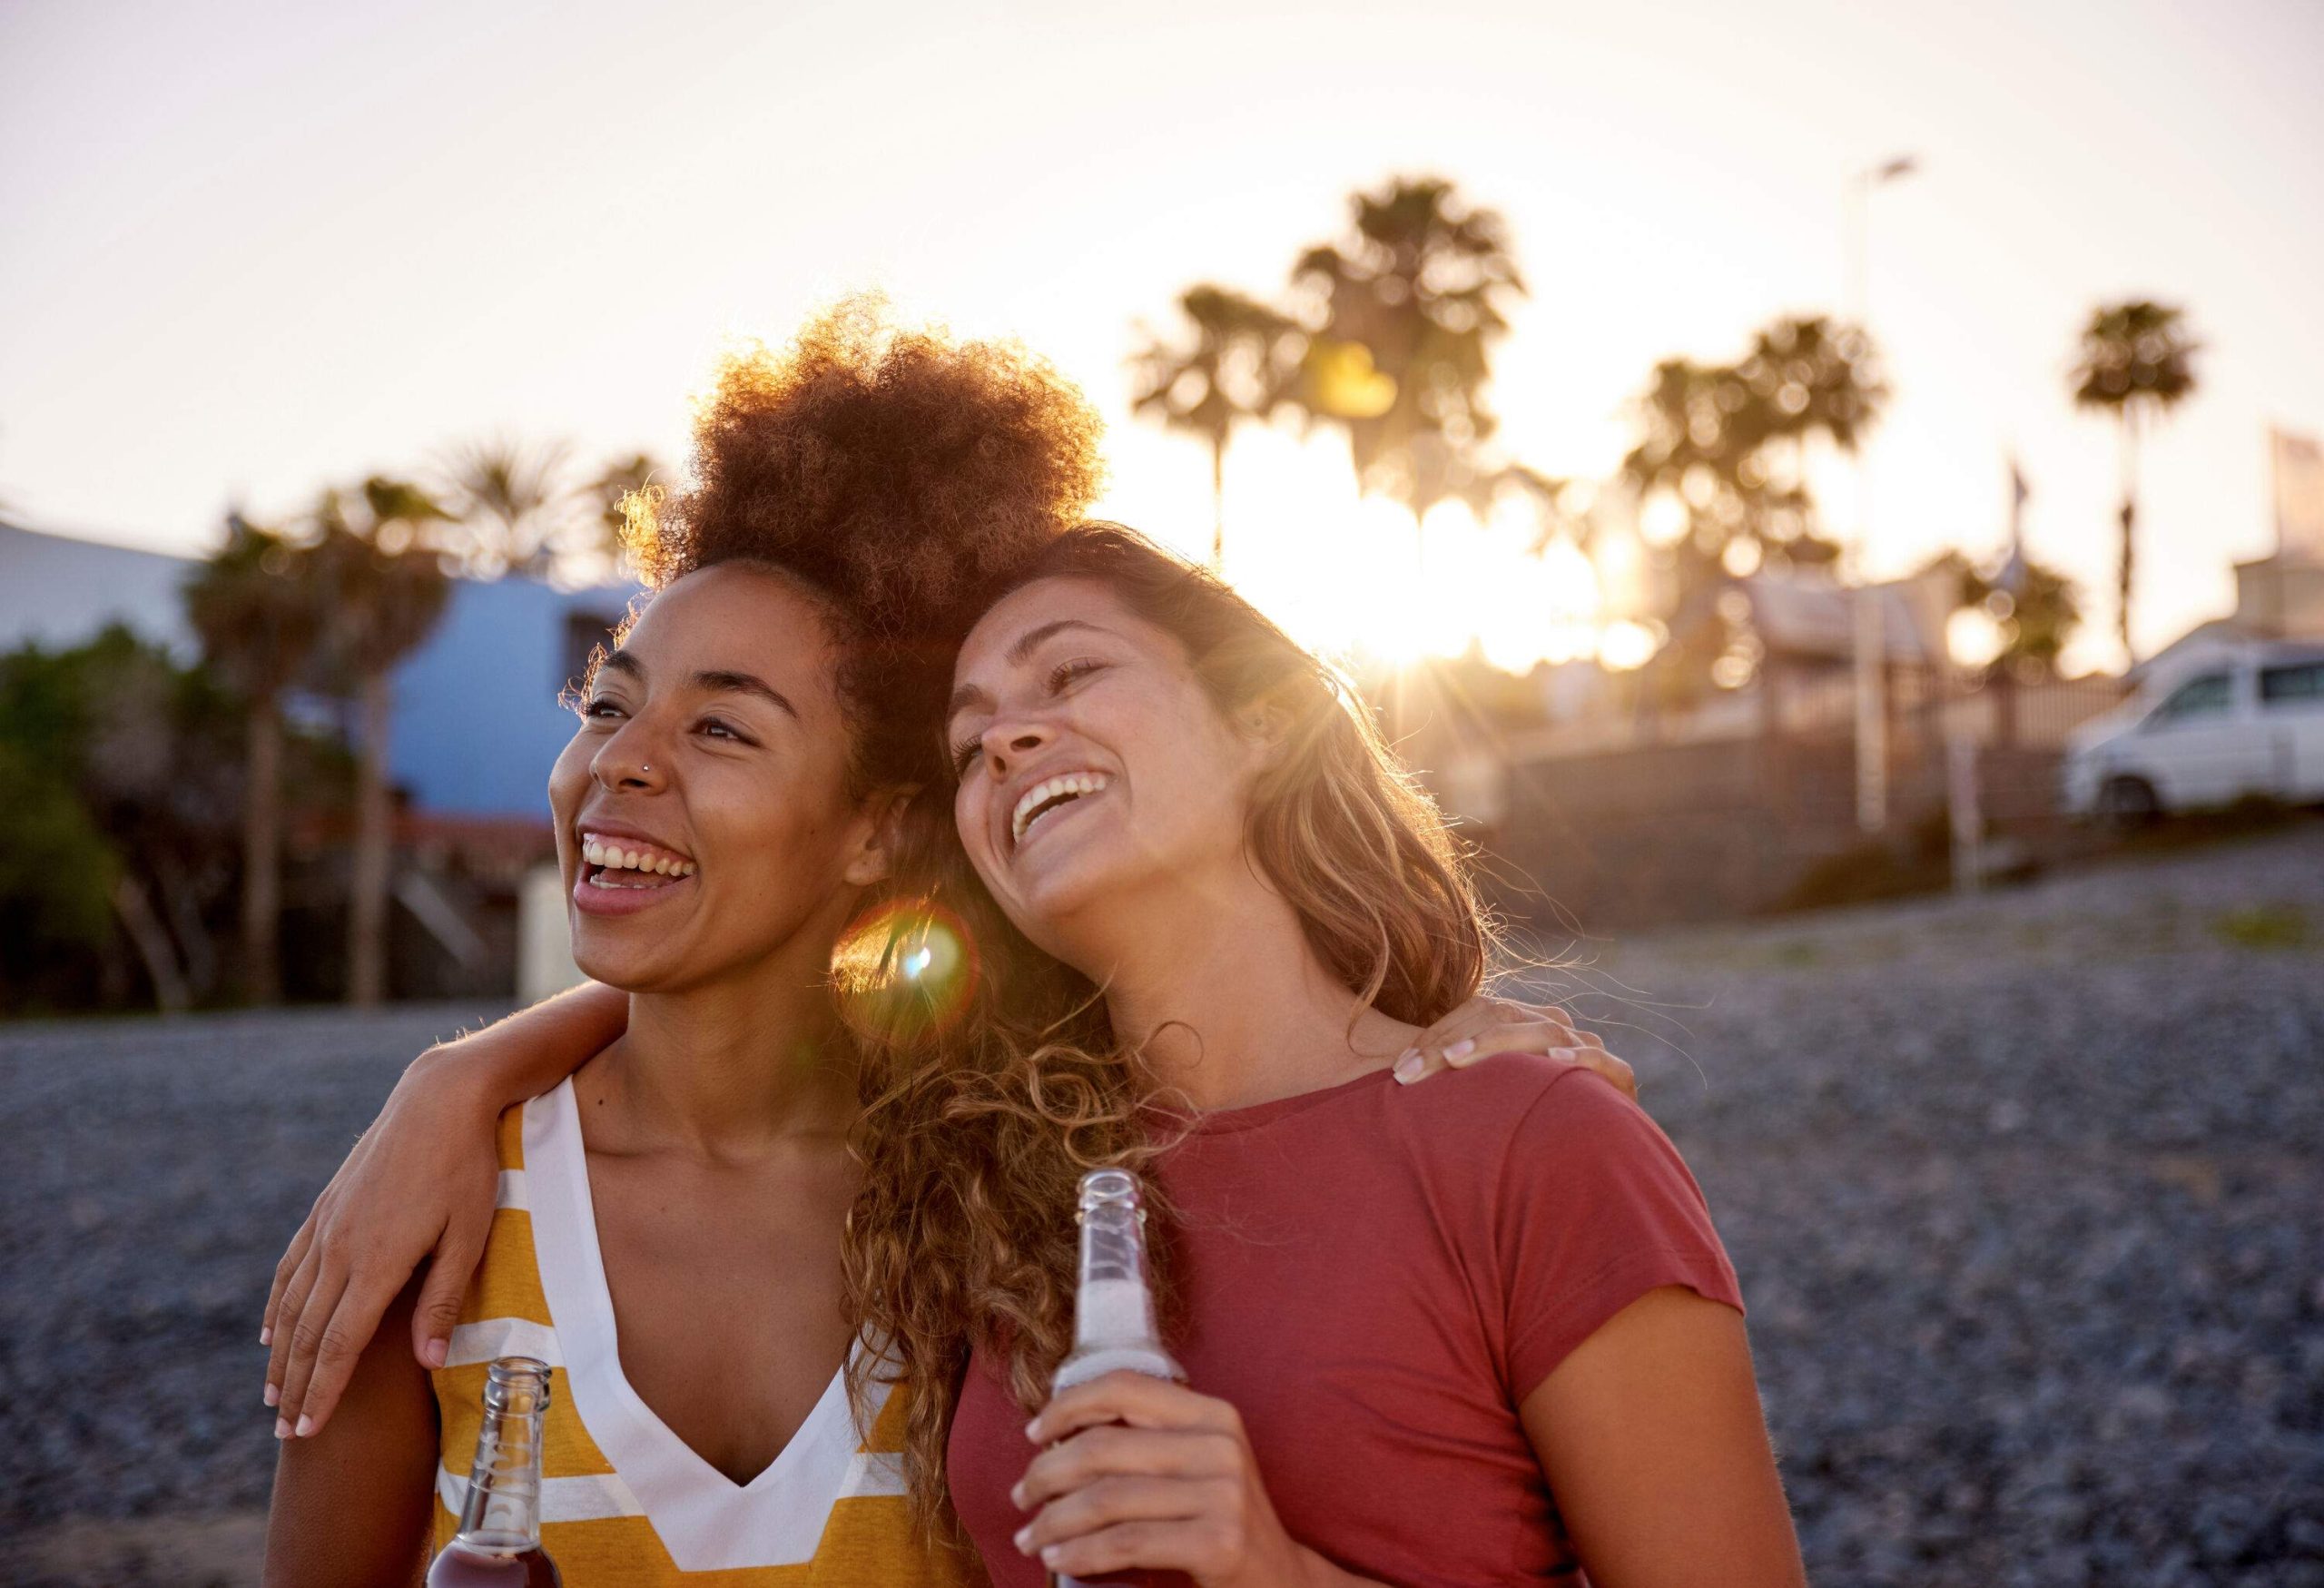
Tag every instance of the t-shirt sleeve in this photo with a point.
(1595, 1209)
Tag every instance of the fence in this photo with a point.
(1747, 809)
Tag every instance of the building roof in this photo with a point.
(56, 591)
(1813, 616)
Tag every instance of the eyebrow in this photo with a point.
(722, 681)
(718, 680)
(1026, 643)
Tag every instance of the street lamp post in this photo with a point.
(1870, 636)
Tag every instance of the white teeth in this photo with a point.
(1032, 799)
(598, 852)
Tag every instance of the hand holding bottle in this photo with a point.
(1139, 1473)
(1145, 1476)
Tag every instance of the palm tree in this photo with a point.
(1410, 305)
(514, 509)
(2034, 605)
(1729, 443)
(2137, 362)
(1239, 363)
(256, 606)
(388, 591)
(1729, 440)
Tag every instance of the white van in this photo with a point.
(2243, 722)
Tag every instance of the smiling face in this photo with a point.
(703, 818)
(1094, 767)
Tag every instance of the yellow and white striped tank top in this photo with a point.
(623, 1499)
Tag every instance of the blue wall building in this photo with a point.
(476, 717)
(477, 720)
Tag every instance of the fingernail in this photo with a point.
(1564, 1053)
(1017, 1495)
(1032, 1430)
(433, 1353)
(1409, 1067)
(283, 1427)
(306, 1426)
(266, 1337)
(1049, 1555)
(1023, 1541)
(273, 1395)
(1461, 1050)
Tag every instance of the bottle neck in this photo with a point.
(503, 1512)
(1114, 1307)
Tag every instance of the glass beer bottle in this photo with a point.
(499, 1545)
(1113, 1312)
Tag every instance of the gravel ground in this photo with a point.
(2027, 1194)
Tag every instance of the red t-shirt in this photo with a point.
(1376, 1276)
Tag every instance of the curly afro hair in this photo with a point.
(895, 474)
(891, 469)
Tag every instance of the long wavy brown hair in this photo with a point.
(978, 1122)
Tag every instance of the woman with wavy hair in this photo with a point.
(675, 1240)
(1481, 1333)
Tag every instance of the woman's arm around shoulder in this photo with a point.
(352, 1504)
(418, 1187)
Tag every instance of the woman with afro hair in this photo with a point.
(668, 1224)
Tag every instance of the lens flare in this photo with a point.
(906, 969)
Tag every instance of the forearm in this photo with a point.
(352, 1504)
(418, 1187)
(529, 1052)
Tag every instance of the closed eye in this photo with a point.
(1061, 677)
(1066, 673)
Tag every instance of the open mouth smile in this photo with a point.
(1050, 795)
(620, 864)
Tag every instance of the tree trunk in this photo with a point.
(1218, 505)
(367, 931)
(2130, 518)
(262, 855)
(151, 940)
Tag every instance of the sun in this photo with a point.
(1356, 580)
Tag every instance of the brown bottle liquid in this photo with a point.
(499, 1545)
(460, 1566)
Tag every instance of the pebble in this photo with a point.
(2026, 1193)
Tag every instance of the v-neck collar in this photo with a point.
(705, 1519)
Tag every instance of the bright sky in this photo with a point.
(249, 249)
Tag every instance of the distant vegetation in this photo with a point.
(1389, 334)
(2136, 362)
(153, 800)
